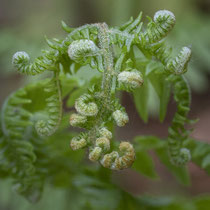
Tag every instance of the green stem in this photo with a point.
(104, 40)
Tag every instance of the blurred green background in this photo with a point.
(23, 25)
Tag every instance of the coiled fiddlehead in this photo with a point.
(130, 80)
(114, 161)
(54, 108)
(177, 132)
(80, 50)
(163, 23)
(21, 61)
(84, 107)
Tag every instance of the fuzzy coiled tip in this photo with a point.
(108, 159)
(103, 143)
(84, 107)
(159, 15)
(132, 79)
(185, 155)
(121, 118)
(95, 154)
(186, 52)
(79, 50)
(128, 157)
(78, 143)
(41, 128)
(179, 64)
(77, 120)
(105, 133)
(20, 58)
(118, 162)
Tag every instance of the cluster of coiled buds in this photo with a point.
(97, 139)
(98, 151)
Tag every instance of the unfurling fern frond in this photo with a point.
(85, 107)
(79, 142)
(21, 61)
(129, 80)
(178, 65)
(163, 23)
(177, 131)
(121, 118)
(80, 50)
(47, 127)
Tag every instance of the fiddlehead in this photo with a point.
(21, 61)
(118, 162)
(85, 107)
(80, 50)
(79, 142)
(163, 23)
(54, 108)
(129, 80)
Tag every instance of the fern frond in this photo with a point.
(177, 131)
(54, 108)
(19, 153)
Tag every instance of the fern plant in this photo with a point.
(36, 122)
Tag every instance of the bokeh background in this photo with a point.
(23, 25)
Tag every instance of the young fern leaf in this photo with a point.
(54, 108)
